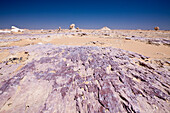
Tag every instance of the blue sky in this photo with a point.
(116, 14)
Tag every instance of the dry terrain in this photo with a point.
(85, 70)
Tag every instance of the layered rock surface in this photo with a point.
(83, 79)
(155, 41)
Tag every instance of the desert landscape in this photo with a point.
(84, 70)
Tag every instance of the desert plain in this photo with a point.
(85, 70)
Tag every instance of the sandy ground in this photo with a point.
(94, 38)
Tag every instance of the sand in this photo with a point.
(116, 40)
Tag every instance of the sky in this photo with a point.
(86, 14)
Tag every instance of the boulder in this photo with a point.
(156, 28)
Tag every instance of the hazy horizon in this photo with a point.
(50, 14)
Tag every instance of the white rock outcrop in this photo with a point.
(59, 29)
(105, 29)
(15, 29)
(72, 27)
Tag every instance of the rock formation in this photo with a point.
(15, 29)
(156, 28)
(59, 29)
(42, 30)
(83, 79)
(106, 29)
(72, 27)
(155, 41)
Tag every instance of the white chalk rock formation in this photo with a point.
(15, 29)
(105, 29)
(72, 27)
(59, 29)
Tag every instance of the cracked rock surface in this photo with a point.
(70, 79)
(155, 41)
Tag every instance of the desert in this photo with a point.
(84, 70)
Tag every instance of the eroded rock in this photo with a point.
(72, 27)
(15, 29)
(85, 79)
(156, 28)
